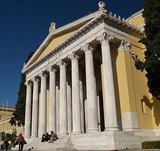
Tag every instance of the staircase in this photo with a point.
(110, 140)
(58, 145)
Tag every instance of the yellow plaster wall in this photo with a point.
(5, 113)
(125, 83)
(55, 42)
(137, 20)
(141, 93)
(156, 113)
(6, 127)
(140, 82)
(132, 85)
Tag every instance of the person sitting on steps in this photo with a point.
(53, 137)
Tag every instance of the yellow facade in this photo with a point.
(5, 117)
(134, 94)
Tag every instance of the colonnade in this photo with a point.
(36, 112)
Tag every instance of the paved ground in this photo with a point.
(119, 150)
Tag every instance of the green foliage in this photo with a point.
(19, 114)
(151, 40)
(3, 136)
(7, 136)
(151, 145)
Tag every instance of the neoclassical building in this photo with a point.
(82, 83)
(6, 113)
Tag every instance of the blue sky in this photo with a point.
(24, 25)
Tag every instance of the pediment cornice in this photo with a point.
(100, 17)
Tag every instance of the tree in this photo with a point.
(151, 40)
(19, 113)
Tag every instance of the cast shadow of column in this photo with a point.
(155, 106)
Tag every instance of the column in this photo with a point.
(126, 88)
(63, 99)
(42, 112)
(52, 103)
(109, 93)
(35, 108)
(76, 116)
(81, 99)
(57, 103)
(69, 103)
(28, 110)
(92, 122)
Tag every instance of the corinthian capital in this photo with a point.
(28, 83)
(61, 63)
(87, 48)
(104, 38)
(125, 46)
(73, 56)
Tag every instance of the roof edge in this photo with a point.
(134, 15)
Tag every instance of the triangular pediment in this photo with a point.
(59, 36)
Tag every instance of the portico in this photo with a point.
(83, 57)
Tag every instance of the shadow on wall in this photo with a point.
(155, 106)
(148, 102)
(156, 111)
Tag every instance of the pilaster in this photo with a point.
(126, 87)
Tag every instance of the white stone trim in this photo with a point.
(130, 121)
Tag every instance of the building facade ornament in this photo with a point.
(87, 48)
(105, 38)
(73, 57)
(125, 46)
(52, 27)
(101, 5)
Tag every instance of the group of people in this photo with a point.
(5, 145)
(18, 141)
(49, 138)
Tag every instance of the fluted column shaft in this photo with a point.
(52, 103)
(81, 100)
(28, 110)
(92, 123)
(63, 99)
(109, 92)
(76, 116)
(42, 118)
(35, 109)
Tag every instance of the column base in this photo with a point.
(34, 136)
(92, 130)
(27, 136)
(63, 133)
(76, 132)
(112, 129)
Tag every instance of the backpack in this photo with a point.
(20, 138)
